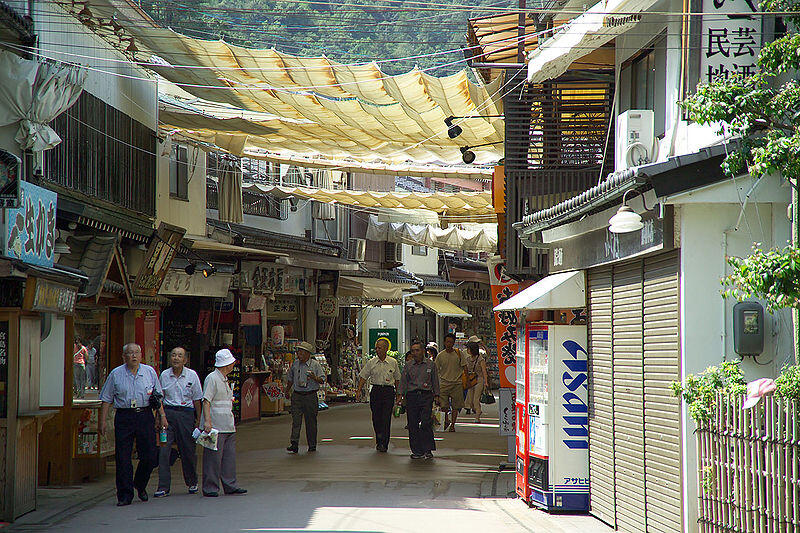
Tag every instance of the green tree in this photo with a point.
(763, 111)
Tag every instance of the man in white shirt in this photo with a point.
(305, 377)
(183, 399)
(383, 373)
(219, 466)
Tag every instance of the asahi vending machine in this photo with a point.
(552, 417)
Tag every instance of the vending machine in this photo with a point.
(552, 417)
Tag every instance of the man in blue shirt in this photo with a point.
(128, 389)
(305, 376)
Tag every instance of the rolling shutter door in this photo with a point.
(601, 400)
(661, 408)
(628, 395)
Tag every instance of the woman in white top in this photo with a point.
(476, 364)
(220, 465)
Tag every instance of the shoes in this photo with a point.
(452, 428)
(382, 449)
(192, 489)
(160, 493)
(312, 449)
(429, 455)
(123, 503)
(292, 448)
(237, 491)
(417, 456)
(142, 494)
(210, 494)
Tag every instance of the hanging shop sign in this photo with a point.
(328, 307)
(505, 322)
(389, 334)
(30, 229)
(49, 296)
(9, 179)
(179, 283)
(506, 411)
(730, 42)
(284, 307)
(268, 278)
(472, 292)
(162, 249)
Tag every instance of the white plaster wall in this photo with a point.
(51, 366)
(421, 264)
(189, 214)
(111, 78)
(369, 320)
(706, 236)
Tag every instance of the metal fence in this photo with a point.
(748, 467)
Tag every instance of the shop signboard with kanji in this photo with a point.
(731, 39)
(268, 278)
(503, 288)
(30, 229)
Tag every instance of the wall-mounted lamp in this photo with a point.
(453, 130)
(626, 220)
(468, 156)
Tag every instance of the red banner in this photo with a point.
(505, 322)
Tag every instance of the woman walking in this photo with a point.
(476, 364)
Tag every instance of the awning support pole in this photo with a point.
(403, 299)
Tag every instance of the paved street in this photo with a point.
(346, 486)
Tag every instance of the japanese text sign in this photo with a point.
(30, 231)
(505, 322)
(731, 39)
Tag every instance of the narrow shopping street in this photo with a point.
(345, 486)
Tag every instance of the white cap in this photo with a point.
(224, 358)
(475, 339)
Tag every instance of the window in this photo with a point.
(179, 172)
(643, 81)
(419, 250)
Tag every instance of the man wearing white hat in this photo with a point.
(220, 465)
(305, 377)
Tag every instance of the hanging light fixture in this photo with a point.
(453, 130)
(626, 220)
(467, 155)
(208, 271)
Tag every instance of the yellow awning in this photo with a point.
(440, 306)
(354, 110)
(371, 288)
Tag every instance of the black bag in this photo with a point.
(487, 397)
(155, 400)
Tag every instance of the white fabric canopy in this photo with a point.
(33, 93)
(565, 290)
(452, 238)
(582, 35)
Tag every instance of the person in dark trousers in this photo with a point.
(183, 405)
(305, 377)
(128, 389)
(383, 373)
(419, 387)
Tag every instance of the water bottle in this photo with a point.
(163, 435)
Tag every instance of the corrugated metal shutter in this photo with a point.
(628, 396)
(661, 408)
(601, 399)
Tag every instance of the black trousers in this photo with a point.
(419, 405)
(381, 401)
(181, 425)
(130, 426)
(304, 407)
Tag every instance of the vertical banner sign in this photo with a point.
(30, 232)
(160, 252)
(4, 369)
(730, 42)
(505, 322)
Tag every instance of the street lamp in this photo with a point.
(626, 220)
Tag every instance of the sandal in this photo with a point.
(452, 428)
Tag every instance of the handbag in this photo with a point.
(487, 398)
(469, 379)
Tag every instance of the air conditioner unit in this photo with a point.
(356, 249)
(393, 252)
(636, 144)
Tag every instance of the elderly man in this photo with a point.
(450, 365)
(305, 377)
(419, 386)
(383, 373)
(183, 406)
(219, 466)
(129, 388)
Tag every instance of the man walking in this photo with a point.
(419, 386)
(129, 388)
(383, 373)
(219, 466)
(450, 364)
(183, 405)
(305, 377)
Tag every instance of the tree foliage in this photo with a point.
(772, 275)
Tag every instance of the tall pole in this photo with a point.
(795, 243)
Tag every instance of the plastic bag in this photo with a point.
(206, 440)
(437, 418)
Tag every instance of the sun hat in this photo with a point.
(475, 339)
(224, 358)
(307, 346)
(756, 389)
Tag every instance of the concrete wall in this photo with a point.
(189, 214)
(708, 233)
(51, 365)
